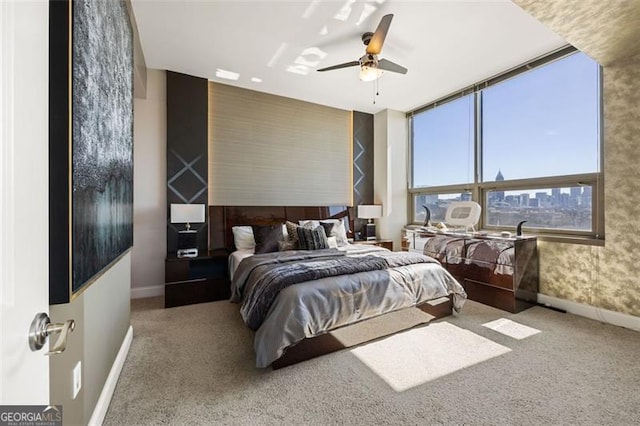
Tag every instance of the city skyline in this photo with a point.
(560, 207)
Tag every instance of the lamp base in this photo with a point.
(370, 232)
(188, 252)
(187, 243)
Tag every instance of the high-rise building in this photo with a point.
(496, 196)
(555, 196)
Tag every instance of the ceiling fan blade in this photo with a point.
(375, 45)
(385, 65)
(345, 65)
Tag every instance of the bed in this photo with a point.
(292, 299)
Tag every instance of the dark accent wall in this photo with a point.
(187, 153)
(362, 161)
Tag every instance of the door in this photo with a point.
(24, 251)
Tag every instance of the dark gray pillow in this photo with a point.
(328, 228)
(312, 239)
(267, 238)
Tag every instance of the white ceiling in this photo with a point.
(446, 45)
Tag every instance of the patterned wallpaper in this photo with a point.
(606, 30)
(606, 276)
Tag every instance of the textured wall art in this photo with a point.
(91, 195)
(102, 135)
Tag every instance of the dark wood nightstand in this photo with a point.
(196, 279)
(388, 244)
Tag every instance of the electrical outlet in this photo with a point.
(77, 379)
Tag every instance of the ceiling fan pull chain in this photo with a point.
(376, 89)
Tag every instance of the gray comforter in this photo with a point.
(325, 289)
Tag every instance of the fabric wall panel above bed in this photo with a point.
(275, 151)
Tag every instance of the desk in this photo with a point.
(198, 279)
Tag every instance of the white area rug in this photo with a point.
(420, 355)
(511, 328)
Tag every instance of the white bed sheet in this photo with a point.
(236, 257)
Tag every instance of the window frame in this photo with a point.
(479, 189)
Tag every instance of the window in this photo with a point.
(437, 205)
(533, 123)
(438, 133)
(525, 145)
(556, 208)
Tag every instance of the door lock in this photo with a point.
(41, 328)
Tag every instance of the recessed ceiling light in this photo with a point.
(227, 75)
(256, 80)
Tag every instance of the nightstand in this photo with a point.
(198, 279)
(388, 244)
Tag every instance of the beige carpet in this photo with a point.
(195, 365)
(417, 356)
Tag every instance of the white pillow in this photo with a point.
(243, 237)
(333, 242)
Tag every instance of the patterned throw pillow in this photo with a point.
(333, 228)
(292, 233)
(312, 239)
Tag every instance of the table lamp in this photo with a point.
(369, 212)
(187, 238)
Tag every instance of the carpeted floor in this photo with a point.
(195, 365)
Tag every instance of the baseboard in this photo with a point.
(592, 312)
(144, 292)
(100, 411)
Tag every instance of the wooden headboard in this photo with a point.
(223, 218)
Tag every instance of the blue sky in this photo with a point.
(541, 123)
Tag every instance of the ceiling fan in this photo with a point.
(370, 66)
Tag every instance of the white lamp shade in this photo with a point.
(187, 213)
(369, 212)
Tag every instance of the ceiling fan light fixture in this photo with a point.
(368, 73)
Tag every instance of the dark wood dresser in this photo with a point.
(196, 279)
(497, 271)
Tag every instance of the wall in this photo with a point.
(149, 188)
(604, 277)
(102, 315)
(362, 164)
(390, 178)
(271, 150)
(187, 172)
